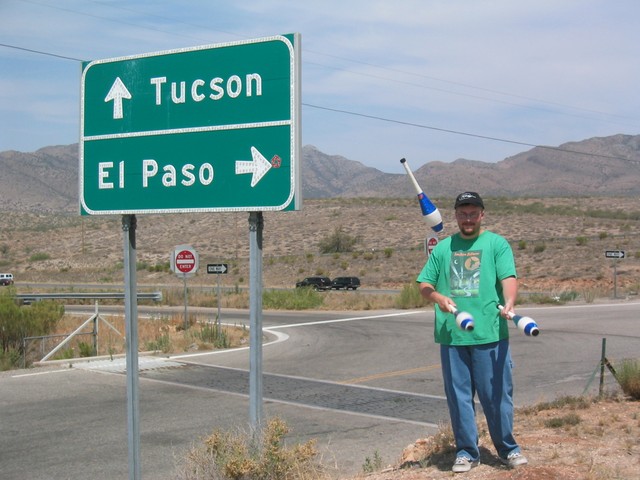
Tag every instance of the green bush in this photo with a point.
(39, 257)
(339, 241)
(210, 333)
(628, 375)
(161, 344)
(297, 299)
(18, 322)
(410, 297)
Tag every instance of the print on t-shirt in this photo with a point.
(465, 273)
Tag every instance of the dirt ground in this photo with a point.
(594, 441)
(561, 247)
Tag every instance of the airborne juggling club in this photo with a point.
(430, 212)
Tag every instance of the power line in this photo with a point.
(41, 52)
(457, 132)
(374, 117)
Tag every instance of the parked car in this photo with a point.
(348, 283)
(317, 283)
(6, 278)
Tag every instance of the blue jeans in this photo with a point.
(485, 370)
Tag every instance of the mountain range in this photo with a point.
(47, 180)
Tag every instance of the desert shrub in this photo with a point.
(236, 454)
(589, 294)
(338, 241)
(410, 297)
(539, 248)
(569, 419)
(388, 252)
(372, 465)
(39, 257)
(18, 322)
(567, 296)
(162, 343)
(86, 349)
(628, 375)
(581, 241)
(522, 245)
(297, 299)
(210, 334)
(567, 401)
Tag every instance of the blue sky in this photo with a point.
(420, 79)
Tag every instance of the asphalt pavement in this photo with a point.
(360, 384)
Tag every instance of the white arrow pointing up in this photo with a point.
(258, 167)
(116, 93)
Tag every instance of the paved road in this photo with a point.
(358, 383)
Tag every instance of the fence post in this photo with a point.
(603, 359)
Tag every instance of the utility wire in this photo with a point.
(41, 52)
(383, 119)
(467, 134)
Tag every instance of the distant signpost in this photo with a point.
(201, 129)
(616, 255)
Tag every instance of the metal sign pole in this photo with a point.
(186, 302)
(256, 224)
(131, 321)
(218, 322)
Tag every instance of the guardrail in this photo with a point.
(34, 297)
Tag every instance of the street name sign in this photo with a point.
(614, 253)
(202, 129)
(217, 268)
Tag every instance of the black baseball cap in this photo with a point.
(469, 198)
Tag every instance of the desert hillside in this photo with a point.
(559, 243)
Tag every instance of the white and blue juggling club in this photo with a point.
(430, 212)
(464, 320)
(526, 325)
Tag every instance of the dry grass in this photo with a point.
(389, 254)
(602, 444)
(164, 334)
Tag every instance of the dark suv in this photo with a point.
(348, 283)
(317, 283)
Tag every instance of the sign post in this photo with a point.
(214, 128)
(218, 269)
(616, 255)
(184, 262)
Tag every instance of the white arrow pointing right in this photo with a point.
(258, 167)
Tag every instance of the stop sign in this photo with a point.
(184, 260)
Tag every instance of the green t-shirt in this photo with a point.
(470, 273)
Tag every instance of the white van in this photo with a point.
(6, 278)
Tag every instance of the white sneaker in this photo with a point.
(463, 464)
(514, 459)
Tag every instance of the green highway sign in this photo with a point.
(201, 129)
